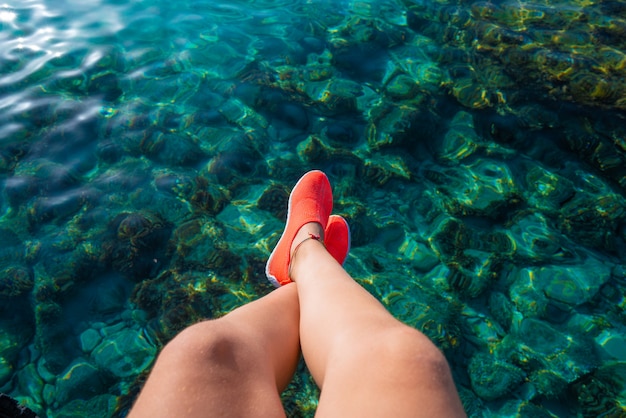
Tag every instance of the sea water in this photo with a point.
(477, 150)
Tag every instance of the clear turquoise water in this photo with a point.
(478, 150)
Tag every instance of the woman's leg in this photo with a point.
(365, 361)
(235, 366)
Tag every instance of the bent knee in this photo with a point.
(411, 354)
(212, 342)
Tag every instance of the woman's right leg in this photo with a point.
(365, 361)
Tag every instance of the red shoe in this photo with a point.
(311, 200)
(337, 238)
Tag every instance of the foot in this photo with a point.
(337, 238)
(310, 205)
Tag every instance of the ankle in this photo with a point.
(307, 231)
(301, 251)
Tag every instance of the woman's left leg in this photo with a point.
(235, 366)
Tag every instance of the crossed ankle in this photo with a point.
(311, 237)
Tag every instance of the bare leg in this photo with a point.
(367, 363)
(235, 366)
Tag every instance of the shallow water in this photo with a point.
(477, 149)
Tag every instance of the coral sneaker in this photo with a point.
(311, 200)
(337, 238)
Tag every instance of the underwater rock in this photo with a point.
(125, 354)
(200, 244)
(542, 338)
(21, 188)
(593, 220)
(362, 228)
(599, 393)
(28, 383)
(51, 336)
(527, 294)
(176, 184)
(573, 285)
(492, 378)
(501, 309)
(430, 77)
(236, 160)
(208, 196)
(536, 117)
(189, 298)
(89, 339)
(12, 249)
(524, 408)
(390, 125)
(419, 252)
(101, 406)
(472, 404)
(546, 190)
(15, 281)
(12, 342)
(239, 114)
(548, 383)
(81, 380)
(52, 177)
(68, 268)
(401, 87)
(6, 371)
(471, 275)
(109, 152)
(485, 188)
(335, 96)
(293, 115)
(461, 140)
(172, 149)
(316, 150)
(136, 244)
(450, 237)
(378, 169)
(12, 153)
(341, 133)
(59, 207)
(534, 239)
(614, 346)
(471, 94)
(274, 200)
(481, 330)
(106, 85)
(537, 346)
(44, 373)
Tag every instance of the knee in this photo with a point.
(409, 353)
(209, 342)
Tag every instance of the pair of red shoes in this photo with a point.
(311, 200)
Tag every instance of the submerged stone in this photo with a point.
(101, 406)
(6, 370)
(461, 140)
(575, 285)
(15, 281)
(81, 380)
(613, 345)
(492, 378)
(401, 87)
(124, 354)
(29, 383)
(391, 126)
(89, 339)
